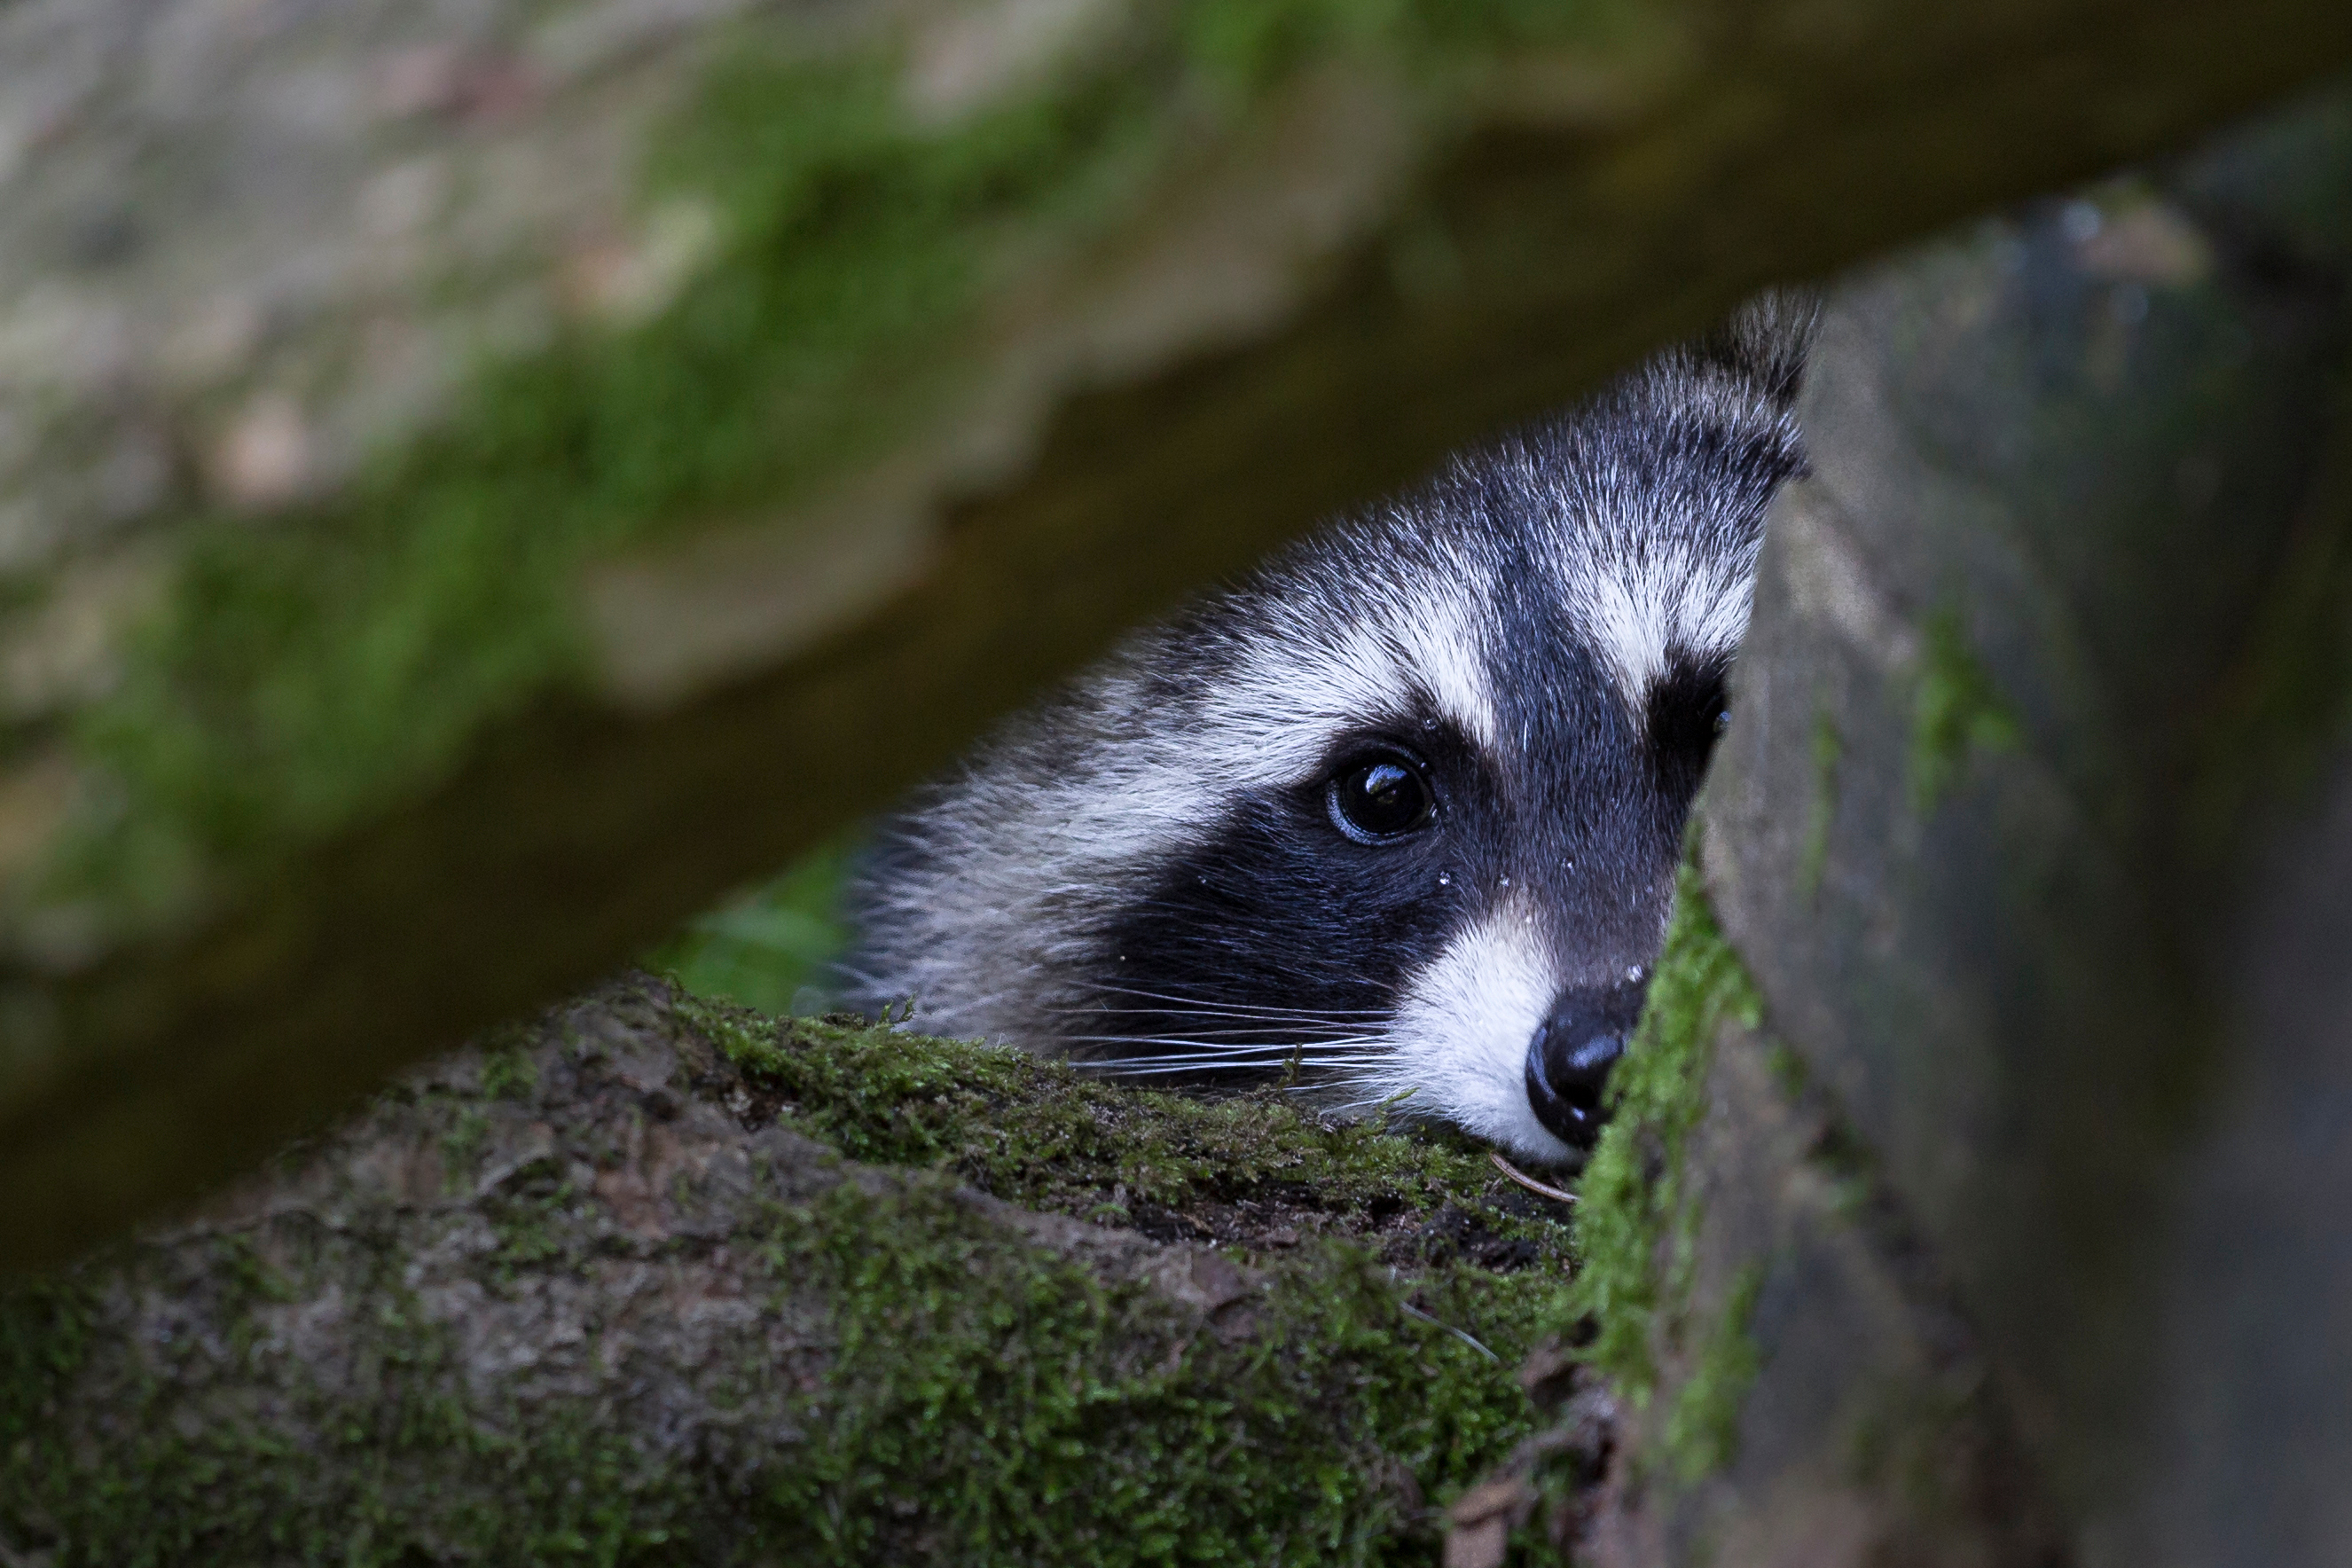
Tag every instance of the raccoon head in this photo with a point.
(1401, 816)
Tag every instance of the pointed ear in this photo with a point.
(1765, 341)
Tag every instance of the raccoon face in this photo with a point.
(1401, 817)
(1441, 893)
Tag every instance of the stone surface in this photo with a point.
(1873, 1432)
(2020, 829)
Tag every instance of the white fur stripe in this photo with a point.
(1635, 608)
(1313, 680)
(1462, 1030)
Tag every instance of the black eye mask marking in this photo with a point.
(1689, 709)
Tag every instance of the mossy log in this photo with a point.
(2005, 1219)
(654, 1281)
(871, 370)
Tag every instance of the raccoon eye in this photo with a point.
(1689, 711)
(1380, 799)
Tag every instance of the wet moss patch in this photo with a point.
(1634, 1228)
(306, 672)
(1821, 811)
(1317, 1437)
(1702, 1431)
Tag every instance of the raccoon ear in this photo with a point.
(1765, 341)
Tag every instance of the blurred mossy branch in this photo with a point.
(940, 352)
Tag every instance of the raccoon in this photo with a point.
(1398, 816)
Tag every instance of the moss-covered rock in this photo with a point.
(657, 1279)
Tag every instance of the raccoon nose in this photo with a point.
(1570, 1057)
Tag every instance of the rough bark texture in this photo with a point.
(982, 331)
(656, 1281)
(2031, 833)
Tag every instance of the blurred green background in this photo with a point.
(771, 948)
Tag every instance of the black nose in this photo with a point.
(1573, 1049)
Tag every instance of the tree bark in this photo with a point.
(659, 1281)
(2031, 831)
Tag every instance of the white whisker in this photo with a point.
(1233, 1058)
(1367, 1043)
(1149, 1067)
(1255, 1031)
(1242, 1023)
(1240, 1009)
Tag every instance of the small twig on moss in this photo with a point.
(1527, 1181)
(1412, 1312)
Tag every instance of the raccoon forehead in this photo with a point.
(1306, 675)
(1658, 500)
(1641, 610)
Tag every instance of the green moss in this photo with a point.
(1250, 45)
(1043, 1134)
(246, 1274)
(508, 1071)
(307, 672)
(45, 1334)
(1702, 1430)
(310, 1475)
(528, 1216)
(1634, 1227)
(1956, 712)
(1072, 1442)
(461, 1141)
